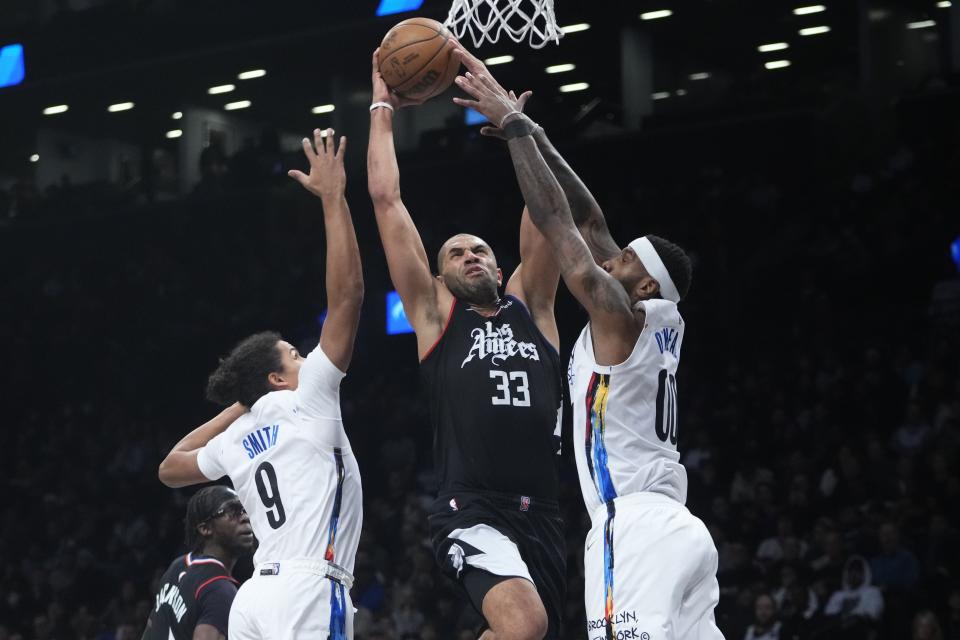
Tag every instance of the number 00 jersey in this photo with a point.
(290, 461)
(495, 394)
(625, 416)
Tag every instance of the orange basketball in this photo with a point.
(414, 61)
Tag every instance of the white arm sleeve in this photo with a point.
(318, 391)
(209, 459)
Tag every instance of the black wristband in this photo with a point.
(519, 127)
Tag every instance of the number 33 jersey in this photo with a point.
(625, 416)
(494, 387)
(291, 464)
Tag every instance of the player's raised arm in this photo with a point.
(604, 298)
(179, 468)
(327, 180)
(586, 213)
(536, 278)
(407, 260)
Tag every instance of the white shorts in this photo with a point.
(295, 603)
(650, 572)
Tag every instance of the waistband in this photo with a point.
(506, 501)
(307, 565)
(641, 498)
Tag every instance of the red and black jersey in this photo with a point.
(494, 388)
(194, 590)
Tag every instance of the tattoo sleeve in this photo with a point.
(587, 214)
(549, 210)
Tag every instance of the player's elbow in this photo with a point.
(167, 473)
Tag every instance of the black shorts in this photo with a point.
(473, 531)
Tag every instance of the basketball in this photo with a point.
(414, 61)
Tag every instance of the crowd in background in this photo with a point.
(819, 384)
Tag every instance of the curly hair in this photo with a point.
(676, 261)
(242, 375)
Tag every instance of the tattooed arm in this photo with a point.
(586, 213)
(615, 329)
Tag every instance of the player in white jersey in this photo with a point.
(650, 565)
(288, 456)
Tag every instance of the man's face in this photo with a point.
(627, 269)
(764, 610)
(855, 575)
(469, 269)
(291, 361)
(230, 527)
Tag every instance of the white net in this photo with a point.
(485, 20)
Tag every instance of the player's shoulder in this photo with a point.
(660, 313)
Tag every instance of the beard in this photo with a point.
(479, 291)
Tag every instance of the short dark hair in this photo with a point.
(200, 508)
(242, 375)
(676, 261)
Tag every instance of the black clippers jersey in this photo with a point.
(176, 606)
(494, 387)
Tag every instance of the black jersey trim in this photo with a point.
(446, 325)
(556, 350)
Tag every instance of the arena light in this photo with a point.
(35, 157)
(174, 133)
(574, 28)
(323, 108)
(239, 104)
(54, 110)
(490, 62)
(12, 69)
(777, 64)
(221, 88)
(703, 75)
(922, 24)
(576, 86)
(944, 4)
(656, 15)
(389, 7)
(560, 68)
(773, 46)
(814, 31)
(120, 106)
(473, 117)
(681, 92)
(250, 75)
(813, 8)
(397, 321)
(661, 95)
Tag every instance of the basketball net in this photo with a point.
(485, 20)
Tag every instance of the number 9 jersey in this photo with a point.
(290, 462)
(625, 415)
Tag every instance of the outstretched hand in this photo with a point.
(327, 176)
(491, 100)
(383, 93)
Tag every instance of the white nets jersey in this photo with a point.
(625, 416)
(291, 464)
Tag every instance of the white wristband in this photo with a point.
(377, 105)
(504, 118)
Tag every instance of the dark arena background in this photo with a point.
(806, 155)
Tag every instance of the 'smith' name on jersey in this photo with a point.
(499, 344)
(170, 595)
(256, 442)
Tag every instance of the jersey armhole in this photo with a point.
(533, 322)
(453, 305)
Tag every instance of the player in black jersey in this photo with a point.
(196, 591)
(493, 379)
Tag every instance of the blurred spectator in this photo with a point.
(926, 627)
(895, 567)
(765, 625)
(857, 604)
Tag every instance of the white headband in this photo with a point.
(655, 267)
